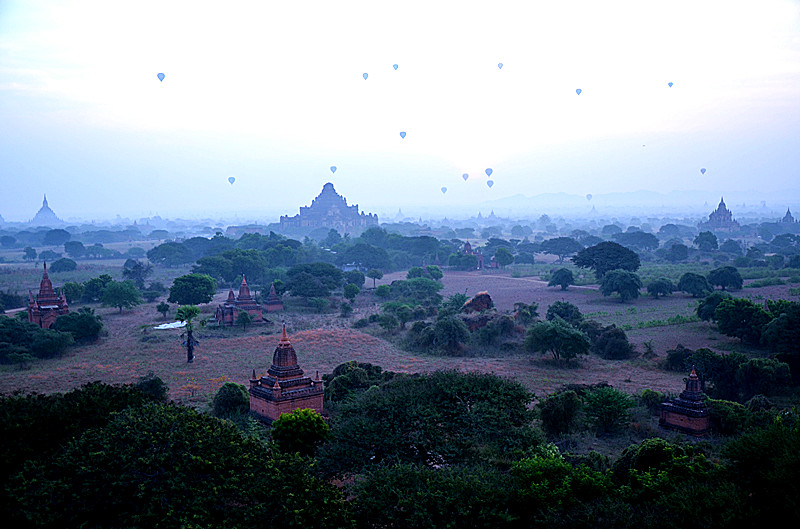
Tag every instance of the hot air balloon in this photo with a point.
(500, 65)
(231, 179)
(669, 84)
(703, 170)
(444, 190)
(465, 176)
(578, 91)
(402, 134)
(489, 172)
(588, 196)
(365, 76)
(333, 168)
(490, 183)
(394, 66)
(161, 77)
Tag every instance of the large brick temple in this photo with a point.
(285, 387)
(227, 313)
(47, 305)
(330, 210)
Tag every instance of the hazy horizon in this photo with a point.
(273, 94)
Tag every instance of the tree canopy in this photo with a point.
(192, 289)
(623, 282)
(606, 256)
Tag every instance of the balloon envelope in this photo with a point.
(444, 190)
(490, 183)
(465, 176)
(500, 65)
(489, 172)
(394, 66)
(402, 134)
(231, 179)
(161, 77)
(333, 168)
(670, 85)
(365, 76)
(703, 170)
(589, 196)
(578, 91)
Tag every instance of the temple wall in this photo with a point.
(685, 423)
(272, 410)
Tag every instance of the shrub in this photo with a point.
(84, 325)
(230, 399)
(153, 386)
(651, 400)
(607, 409)
(63, 265)
(613, 344)
(300, 431)
(559, 412)
(762, 376)
(707, 307)
(566, 311)
(361, 323)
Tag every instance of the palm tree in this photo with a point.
(187, 313)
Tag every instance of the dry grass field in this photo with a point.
(131, 347)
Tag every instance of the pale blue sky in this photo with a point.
(273, 94)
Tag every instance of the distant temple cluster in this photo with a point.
(227, 313)
(688, 412)
(285, 387)
(330, 210)
(721, 219)
(46, 306)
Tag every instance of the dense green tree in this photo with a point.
(216, 266)
(561, 246)
(762, 376)
(434, 272)
(566, 311)
(243, 319)
(782, 333)
(374, 274)
(449, 334)
(677, 252)
(121, 294)
(313, 279)
(606, 256)
(351, 291)
(612, 344)
(301, 431)
(56, 237)
(48, 255)
(706, 241)
(415, 271)
(660, 287)
(417, 291)
(694, 284)
(524, 313)
(706, 309)
(364, 256)
(559, 338)
(93, 288)
(230, 399)
(434, 419)
(192, 289)
(170, 254)
(725, 277)
(163, 308)
(731, 247)
(159, 465)
(63, 265)
(7, 241)
(352, 378)
(559, 412)
(562, 277)
(741, 318)
(623, 282)
(462, 261)
(607, 409)
(18, 336)
(28, 253)
(637, 239)
(355, 277)
(503, 256)
(84, 325)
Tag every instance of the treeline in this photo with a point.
(443, 449)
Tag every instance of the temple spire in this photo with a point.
(284, 336)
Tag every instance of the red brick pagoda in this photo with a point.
(284, 388)
(687, 413)
(273, 302)
(227, 312)
(47, 306)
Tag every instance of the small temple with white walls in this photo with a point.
(47, 305)
(687, 413)
(285, 387)
(227, 313)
